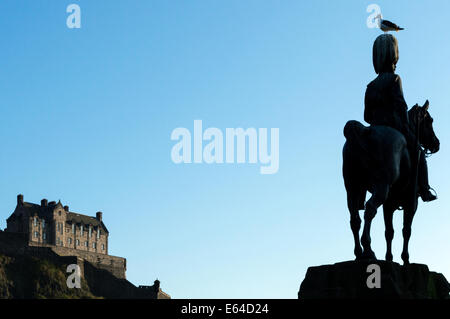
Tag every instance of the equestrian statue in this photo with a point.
(388, 158)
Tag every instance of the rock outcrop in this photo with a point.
(23, 276)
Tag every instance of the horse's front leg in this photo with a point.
(377, 199)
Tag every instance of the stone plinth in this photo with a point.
(349, 280)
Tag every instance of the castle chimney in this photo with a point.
(66, 208)
(156, 285)
(20, 200)
(98, 216)
(44, 202)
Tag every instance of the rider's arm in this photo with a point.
(368, 113)
(400, 105)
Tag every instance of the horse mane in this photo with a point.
(413, 114)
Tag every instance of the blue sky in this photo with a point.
(87, 114)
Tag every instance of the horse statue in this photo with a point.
(376, 160)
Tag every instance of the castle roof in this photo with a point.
(82, 219)
(32, 209)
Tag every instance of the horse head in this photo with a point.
(423, 127)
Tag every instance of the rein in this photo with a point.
(417, 121)
(416, 175)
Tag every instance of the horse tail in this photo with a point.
(356, 134)
(353, 130)
(355, 161)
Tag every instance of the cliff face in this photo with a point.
(30, 277)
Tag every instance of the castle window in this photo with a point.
(81, 230)
(59, 213)
(86, 244)
(94, 245)
(36, 234)
(90, 231)
(43, 223)
(35, 221)
(103, 246)
(69, 241)
(59, 227)
(98, 233)
(78, 242)
(73, 228)
(44, 236)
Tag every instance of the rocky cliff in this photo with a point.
(30, 277)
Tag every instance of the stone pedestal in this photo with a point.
(357, 280)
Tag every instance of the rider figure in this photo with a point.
(385, 104)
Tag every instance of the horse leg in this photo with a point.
(388, 212)
(377, 199)
(355, 221)
(408, 215)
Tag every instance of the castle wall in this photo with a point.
(18, 243)
(11, 243)
(115, 265)
(40, 228)
(86, 242)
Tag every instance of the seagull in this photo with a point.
(386, 25)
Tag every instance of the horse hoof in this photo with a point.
(358, 253)
(368, 255)
(405, 258)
